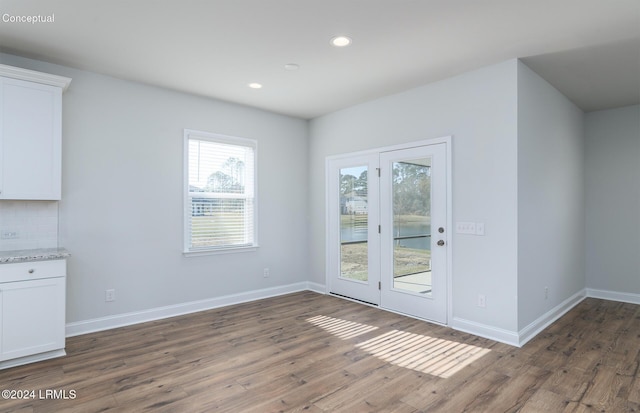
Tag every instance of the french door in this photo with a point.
(388, 241)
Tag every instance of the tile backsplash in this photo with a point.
(28, 225)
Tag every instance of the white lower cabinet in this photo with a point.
(32, 311)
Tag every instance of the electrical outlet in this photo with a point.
(482, 301)
(110, 295)
(265, 273)
(9, 234)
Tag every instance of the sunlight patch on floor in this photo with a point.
(429, 355)
(341, 328)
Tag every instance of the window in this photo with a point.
(220, 193)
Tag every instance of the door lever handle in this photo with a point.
(440, 243)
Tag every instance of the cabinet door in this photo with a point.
(30, 140)
(32, 317)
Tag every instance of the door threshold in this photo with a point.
(355, 300)
(346, 297)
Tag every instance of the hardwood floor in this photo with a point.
(316, 353)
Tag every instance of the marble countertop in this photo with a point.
(33, 255)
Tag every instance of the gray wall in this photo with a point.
(612, 164)
(551, 208)
(479, 109)
(121, 208)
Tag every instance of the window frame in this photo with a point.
(187, 251)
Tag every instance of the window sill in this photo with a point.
(218, 251)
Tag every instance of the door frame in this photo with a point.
(447, 140)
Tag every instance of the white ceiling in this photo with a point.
(589, 49)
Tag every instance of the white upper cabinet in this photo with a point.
(30, 134)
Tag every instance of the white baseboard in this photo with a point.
(549, 317)
(513, 338)
(315, 287)
(486, 331)
(521, 337)
(614, 296)
(121, 320)
(32, 359)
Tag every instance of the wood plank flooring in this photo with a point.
(317, 353)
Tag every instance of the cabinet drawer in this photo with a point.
(32, 270)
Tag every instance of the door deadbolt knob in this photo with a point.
(441, 243)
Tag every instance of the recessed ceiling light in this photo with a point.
(255, 85)
(341, 41)
(291, 66)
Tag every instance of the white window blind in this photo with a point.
(220, 207)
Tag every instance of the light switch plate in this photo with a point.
(466, 228)
(9, 234)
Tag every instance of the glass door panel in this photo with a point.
(354, 223)
(411, 208)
